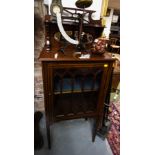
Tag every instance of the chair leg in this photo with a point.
(48, 135)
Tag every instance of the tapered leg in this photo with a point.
(96, 127)
(48, 135)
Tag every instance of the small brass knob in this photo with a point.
(105, 65)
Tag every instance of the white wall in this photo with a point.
(106, 31)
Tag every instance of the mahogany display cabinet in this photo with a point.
(74, 87)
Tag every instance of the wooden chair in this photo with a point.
(114, 45)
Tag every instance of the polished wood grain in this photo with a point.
(70, 55)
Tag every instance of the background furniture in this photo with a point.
(115, 25)
(114, 37)
(114, 45)
(116, 73)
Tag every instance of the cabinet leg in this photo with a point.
(95, 129)
(48, 136)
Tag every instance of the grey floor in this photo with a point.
(73, 137)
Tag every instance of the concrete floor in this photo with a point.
(73, 137)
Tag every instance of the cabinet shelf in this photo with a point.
(75, 104)
(77, 85)
(74, 92)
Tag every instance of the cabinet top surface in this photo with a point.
(73, 56)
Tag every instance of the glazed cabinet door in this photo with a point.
(76, 90)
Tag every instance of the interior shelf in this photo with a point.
(74, 104)
(74, 92)
(76, 84)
